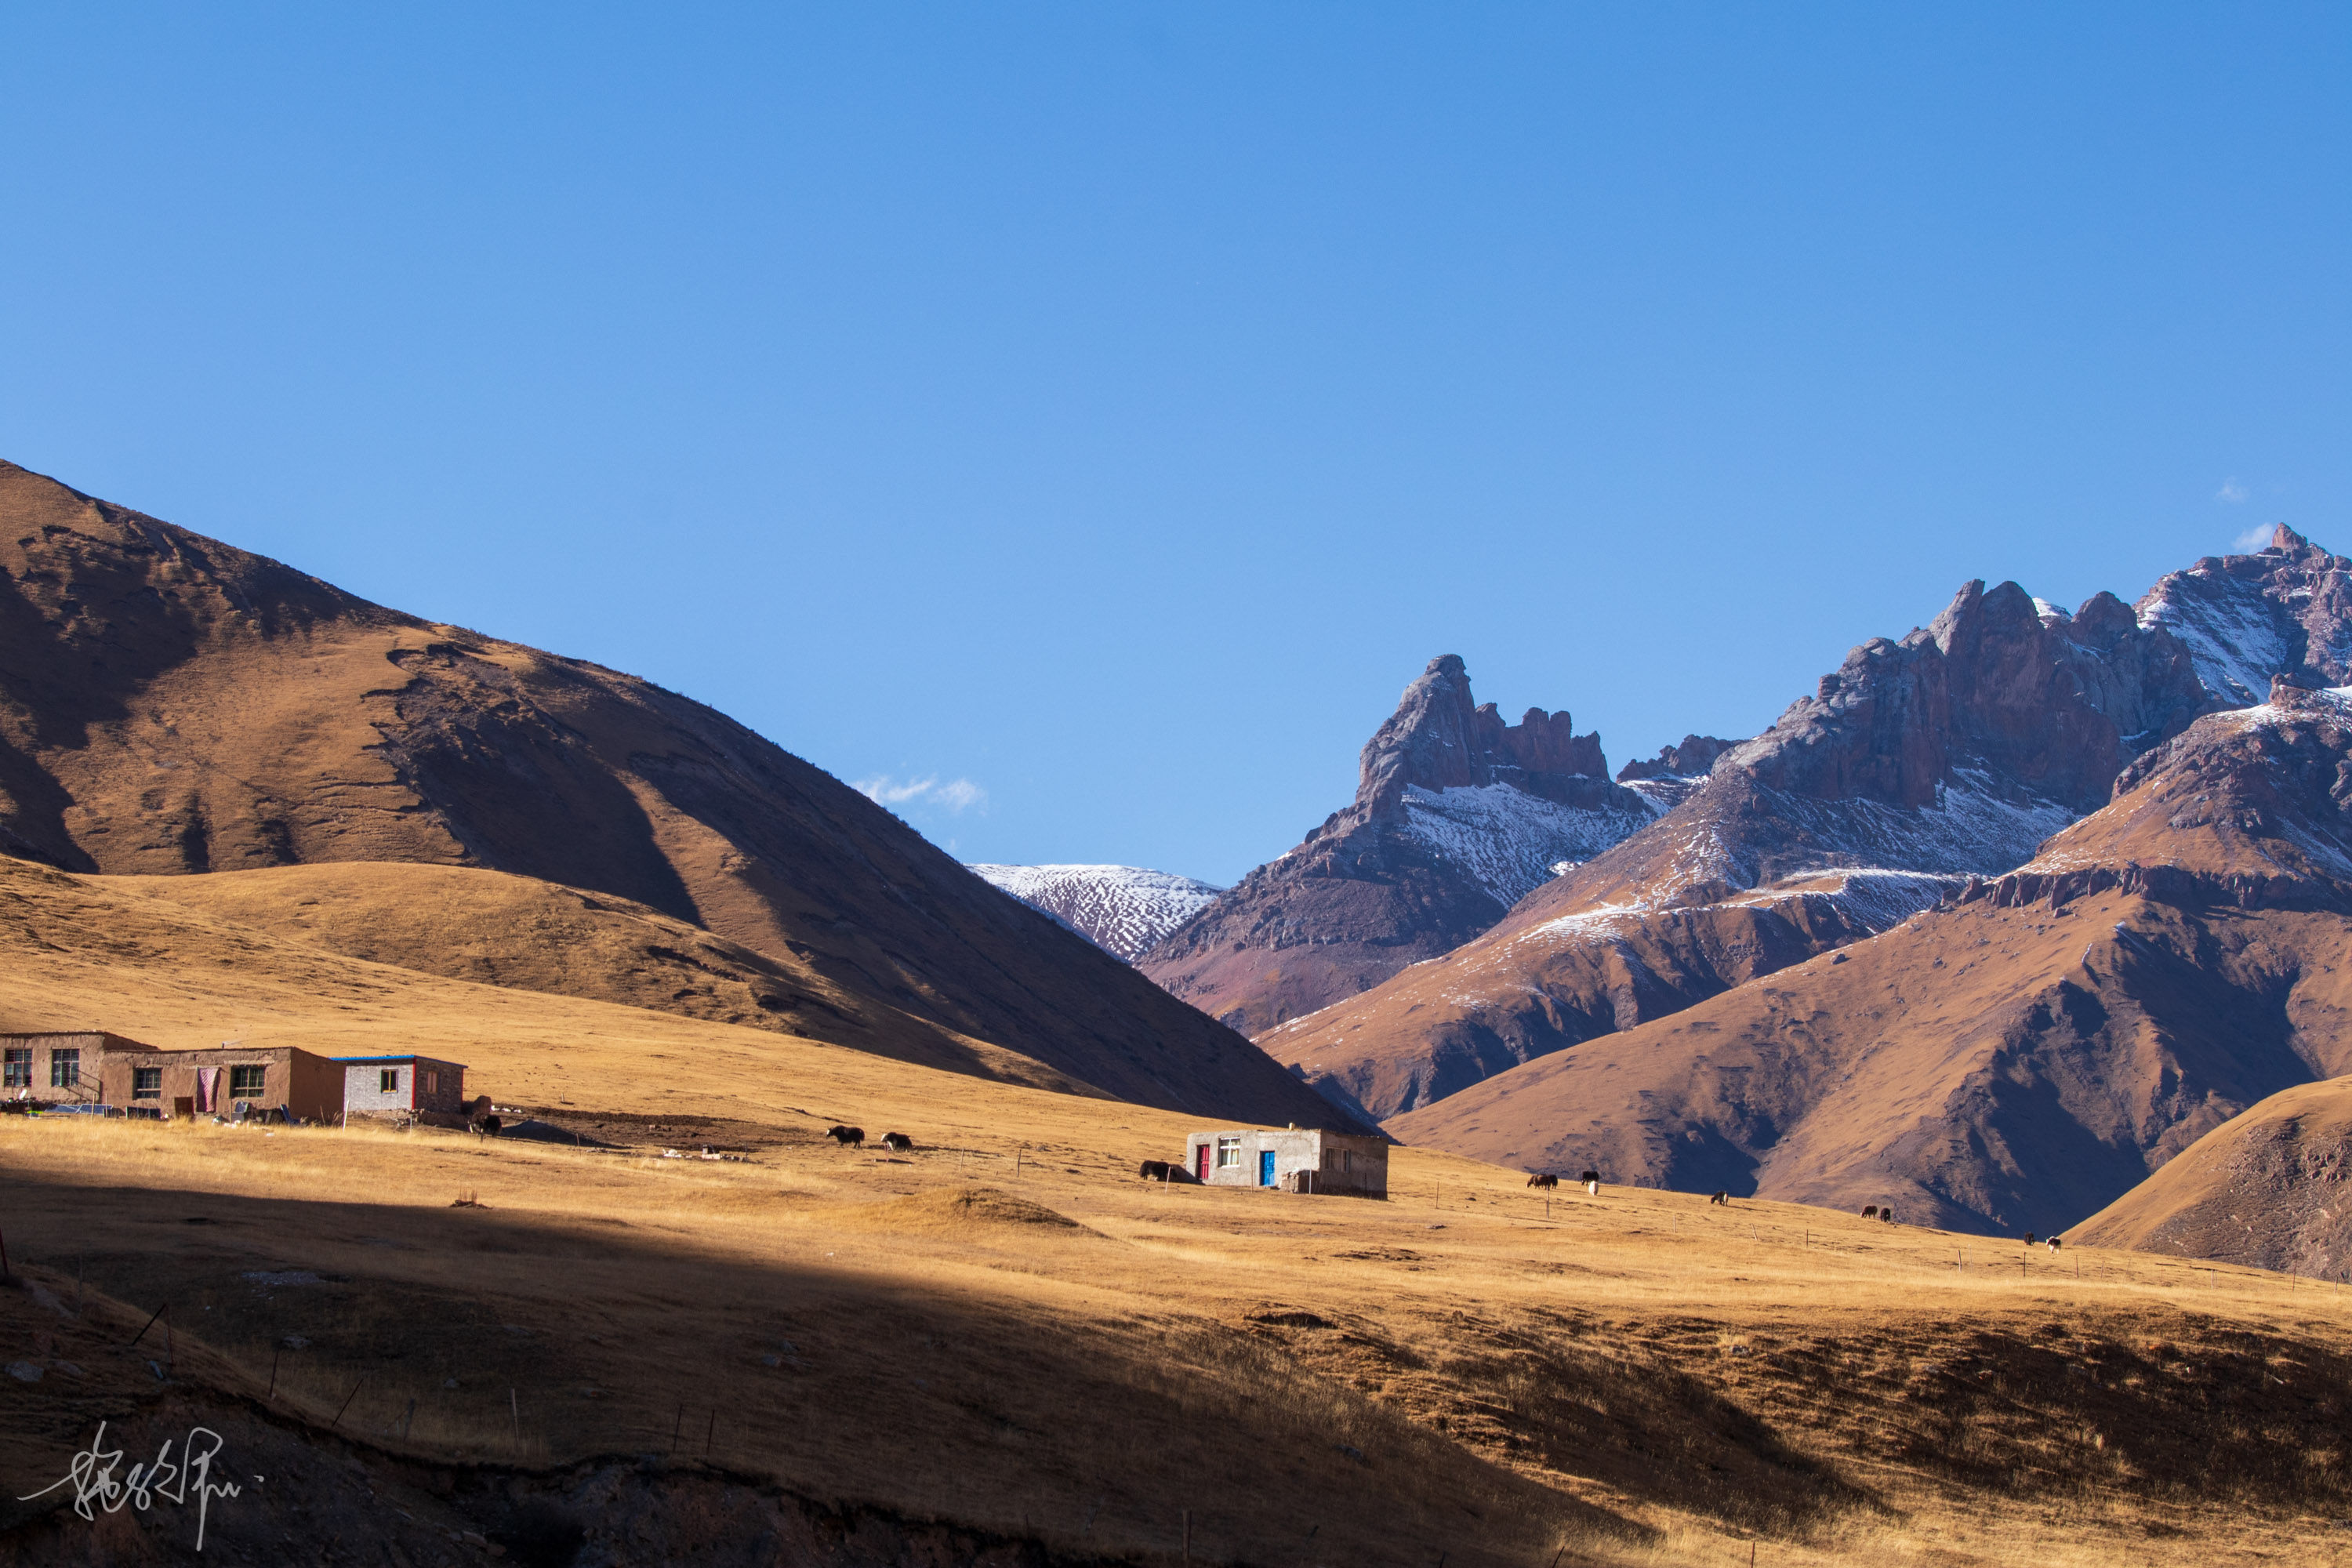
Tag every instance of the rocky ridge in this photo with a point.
(2025, 1053)
(1457, 815)
(1951, 753)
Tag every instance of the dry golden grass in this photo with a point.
(1639, 1378)
(1468, 1369)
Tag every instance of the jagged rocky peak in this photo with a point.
(1694, 758)
(2285, 609)
(2053, 703)
(1441, 738)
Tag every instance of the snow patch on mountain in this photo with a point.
(1506, 839)
(2238, 636)
(1123, 910)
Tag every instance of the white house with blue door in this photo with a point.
(1291, 1159)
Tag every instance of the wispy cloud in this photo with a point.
(2232, 490)
(954, 797)
(2252, 539)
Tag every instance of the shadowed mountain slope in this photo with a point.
(1456, 816)
(2270, 1188)
(173, 705)
(1952, 753)
(2023, 1056)
(494, 929)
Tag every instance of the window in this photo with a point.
(146, 1083)
(65, 1069)
(387, 1080)
(17, 1071)
(432, 1083)
(1229, 1152)
(244, 1083)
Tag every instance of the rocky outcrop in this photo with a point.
(2285, 610)
(1694, 759)
(1456, 816)
(170, 704)
(1951, 753)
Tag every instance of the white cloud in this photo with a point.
(2231, 490)
(956, 796)
(2253, 540)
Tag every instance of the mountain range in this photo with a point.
(2028, 915)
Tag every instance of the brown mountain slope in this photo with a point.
(1456, 816)
(2271, 1188)
(170, 704)
(2022, 1057)
(1954, 751)
(496, 929)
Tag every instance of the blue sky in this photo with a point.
(1102, 411)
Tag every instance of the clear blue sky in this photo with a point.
(1112, 406)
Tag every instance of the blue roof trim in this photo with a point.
(411, 1057)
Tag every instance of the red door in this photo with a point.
(1202, 1172)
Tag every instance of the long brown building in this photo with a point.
(214, 1081)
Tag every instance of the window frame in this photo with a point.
(248, 1081)
(16, 1067)
(1229, 1155)
(146, 1083)
(65, 1067)
(387, 1080)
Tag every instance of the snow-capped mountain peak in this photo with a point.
(1122, 909)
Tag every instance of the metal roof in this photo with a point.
(411, 1057)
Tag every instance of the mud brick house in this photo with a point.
(216, 1080)
(409, 1088)
(60, 1068)
(1295, 1160)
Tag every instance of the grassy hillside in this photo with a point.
(1006, 1339)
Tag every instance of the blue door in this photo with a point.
(1266, 1168)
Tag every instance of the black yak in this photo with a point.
(898, 1143)
(847, 1137)
(1543, 1179)
(1723, 1198)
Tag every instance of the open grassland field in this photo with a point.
(1004, 1348)
(1070, 1357)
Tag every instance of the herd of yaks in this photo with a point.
(854, 1138)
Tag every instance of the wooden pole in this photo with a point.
(710, 1432)
(679, 1427)
(273, 1374)
(354, 1393)
(406, 1420)
(144, 1327)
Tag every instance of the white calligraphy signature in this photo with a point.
(93, 1479)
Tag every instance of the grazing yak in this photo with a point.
(2053, 1244)
(1870, 1211)
(1887, 1214)
(847, 1137)
(1724, 1198)
(1543, 1179)
(1167, 1171)
(898, 1143)
(1592, 1180)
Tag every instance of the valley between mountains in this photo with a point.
(2028, 920)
